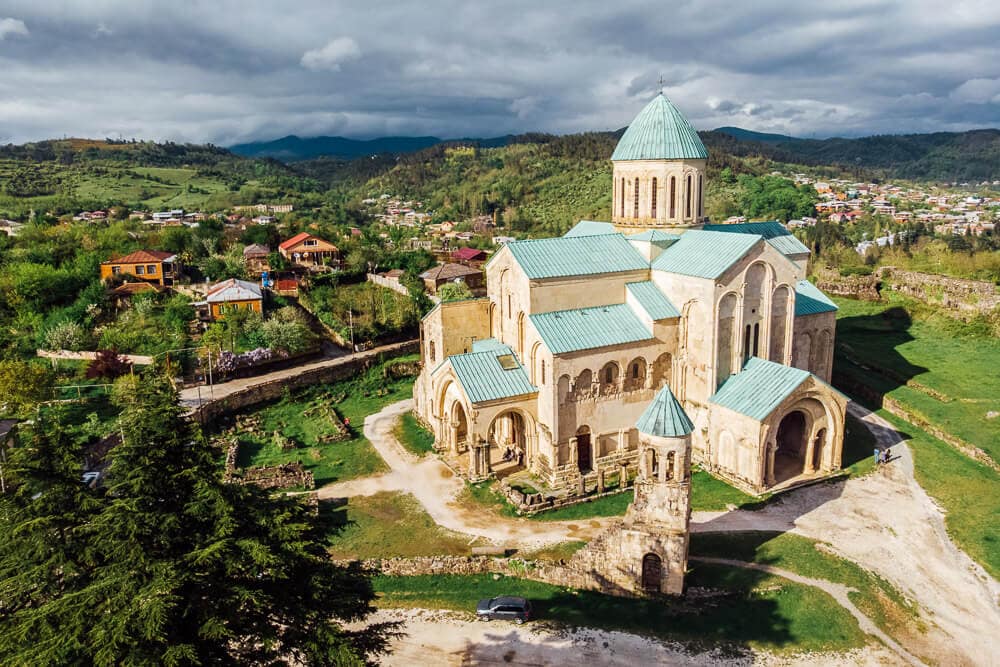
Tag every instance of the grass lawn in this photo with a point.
(330, 462)
(950, 366)
(413, 436)
(875, 597)
(385, 525)
(754, 609)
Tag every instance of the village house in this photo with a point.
(154, 266)
(304, 249)
(468, 255)
(121, 295)
(255, 258)
(452, 273)
(229, 295)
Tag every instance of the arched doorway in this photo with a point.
(508, 440)
(584, 457)
(790, 456)
(459, 427)
(652, 573)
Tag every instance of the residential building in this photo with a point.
(255, 258)
(304, 249)
(229, 295)
(452, 273)
(153, 266)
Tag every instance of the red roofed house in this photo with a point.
(152, 266)
(307, 250)
(468, 255)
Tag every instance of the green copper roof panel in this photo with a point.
(773, 231)
(664, 417)
(660, 132)
(809, 300)
(704, 254)
(654, 236)
(589, 328)
(488, 345)
(759, 388)
(652, 300)
(576, 256)
(591, 228)
(484, 378)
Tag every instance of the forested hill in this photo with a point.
(293, 148)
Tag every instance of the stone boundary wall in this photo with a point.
(138, 359)
(269, 390)
(967, 296)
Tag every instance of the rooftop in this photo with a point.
(576, 256)
(665, 418)
(143, 257)
(591, 228)
(448, 271)
(652, 300)
(759, 388)
(773, 232)
(233, 290)
(660, 132)
(704, 254)
(588, 328)
(491, 374)
(809, 300)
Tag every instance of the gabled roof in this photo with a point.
(654, 236)
(704, 254)
(759, 388)
(660, 132)
(485, 378)
(576, 256)
(652, 300)
(448, 272)
(256, 250)
(142, 257)
(809, 300)
(588, 328)
(488, 345)
(299, 238)
(468, 253)
(591, 228)
(773, 232)
(233, 290)
(664, 417)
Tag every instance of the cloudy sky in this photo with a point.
(234, 70)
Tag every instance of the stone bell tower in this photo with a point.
(659, 172)
(656, 524)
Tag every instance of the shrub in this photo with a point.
(290, 337)
(66, 336)
(109, 365)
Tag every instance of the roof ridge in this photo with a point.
(568, 238)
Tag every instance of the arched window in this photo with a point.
(431, 353)
(756, 337)
(701, 198)
(509, 309)
(673, 196)
(635, 200)
(746, 343)
(621, 191)
(687, 198)
(542, 374)
(652, 195)
(609, 375)
(635, 369)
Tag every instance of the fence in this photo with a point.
(388, 283)
(139, 359)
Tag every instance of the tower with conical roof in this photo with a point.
(659, 172)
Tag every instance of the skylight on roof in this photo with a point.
(507, 362)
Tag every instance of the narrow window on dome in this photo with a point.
(635, 200)
(673, 196)
(652, 206)
(687, 198)
(701, 196)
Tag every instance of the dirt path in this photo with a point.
(437, 488)
(451, 639)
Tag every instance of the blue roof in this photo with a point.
(773, 231)
(660, 132)
(589, 328)
(591, 228)
(652, 300)
(576, 256)
(809, 300)
(484, 378)
(664, 417)
(759, 388)
(653, 235)
(488, 345)
(704, 254)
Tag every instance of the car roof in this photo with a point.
(506, 599)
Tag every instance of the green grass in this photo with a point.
(612, 505)
(710, 494)
(332, 462)
(386, 525)
(875, 597)
(757, 611)
(413, 436)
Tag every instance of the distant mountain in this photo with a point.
(750, 135)
(293, 148)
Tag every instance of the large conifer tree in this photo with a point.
(167, 565)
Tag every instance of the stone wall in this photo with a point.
(284, 476)
(970, 297)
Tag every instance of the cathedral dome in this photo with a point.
(660, 132)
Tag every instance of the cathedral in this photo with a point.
(656, 324)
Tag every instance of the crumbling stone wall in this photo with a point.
(284, 476)
(971, 297)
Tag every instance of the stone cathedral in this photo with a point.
(637, 346)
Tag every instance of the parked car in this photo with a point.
(504, 609)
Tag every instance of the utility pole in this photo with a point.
(351, 315)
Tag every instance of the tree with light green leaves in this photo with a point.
(454, 291)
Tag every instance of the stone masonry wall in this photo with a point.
(966, 296)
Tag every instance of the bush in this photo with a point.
(108, 365)
(290, 337)
(856, 271)
(66, 336)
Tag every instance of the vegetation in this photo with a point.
(363, 312)
(454, 291)
(166, 564)
(413, 436)
(23, 387)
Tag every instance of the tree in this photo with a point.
(170, 564)
(108, 364)
(288, 337)
(454, 291)
(22, 387)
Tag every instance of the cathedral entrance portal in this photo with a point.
(652, 573)
(584, 458)
(508, 443)
(790, 457)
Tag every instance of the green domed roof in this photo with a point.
(660, 132)
(664, 417)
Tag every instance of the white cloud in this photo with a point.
(12, 27)
(103, 30)
(332, 55)
(977, 91)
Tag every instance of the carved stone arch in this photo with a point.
(609, 378)
(533, 363)
(662, 371)
(726, 336)
(563, 387)
(494, 315)
(802, 350)
(520, 334)
(635, 374)
(583, 385)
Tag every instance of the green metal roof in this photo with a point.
(484, 378)
(664, 417)
(591, 228)
(652, 300)
(704, 254)
(660, 132)
(759, 388)
(809, 300)
(576, 256)
(488, 345)
(653, 235)
(773, 231)
(588, 328)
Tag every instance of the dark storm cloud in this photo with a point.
(234, 70)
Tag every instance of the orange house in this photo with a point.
(307, 250)
(151, 266)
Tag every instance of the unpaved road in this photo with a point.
(884, 522)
